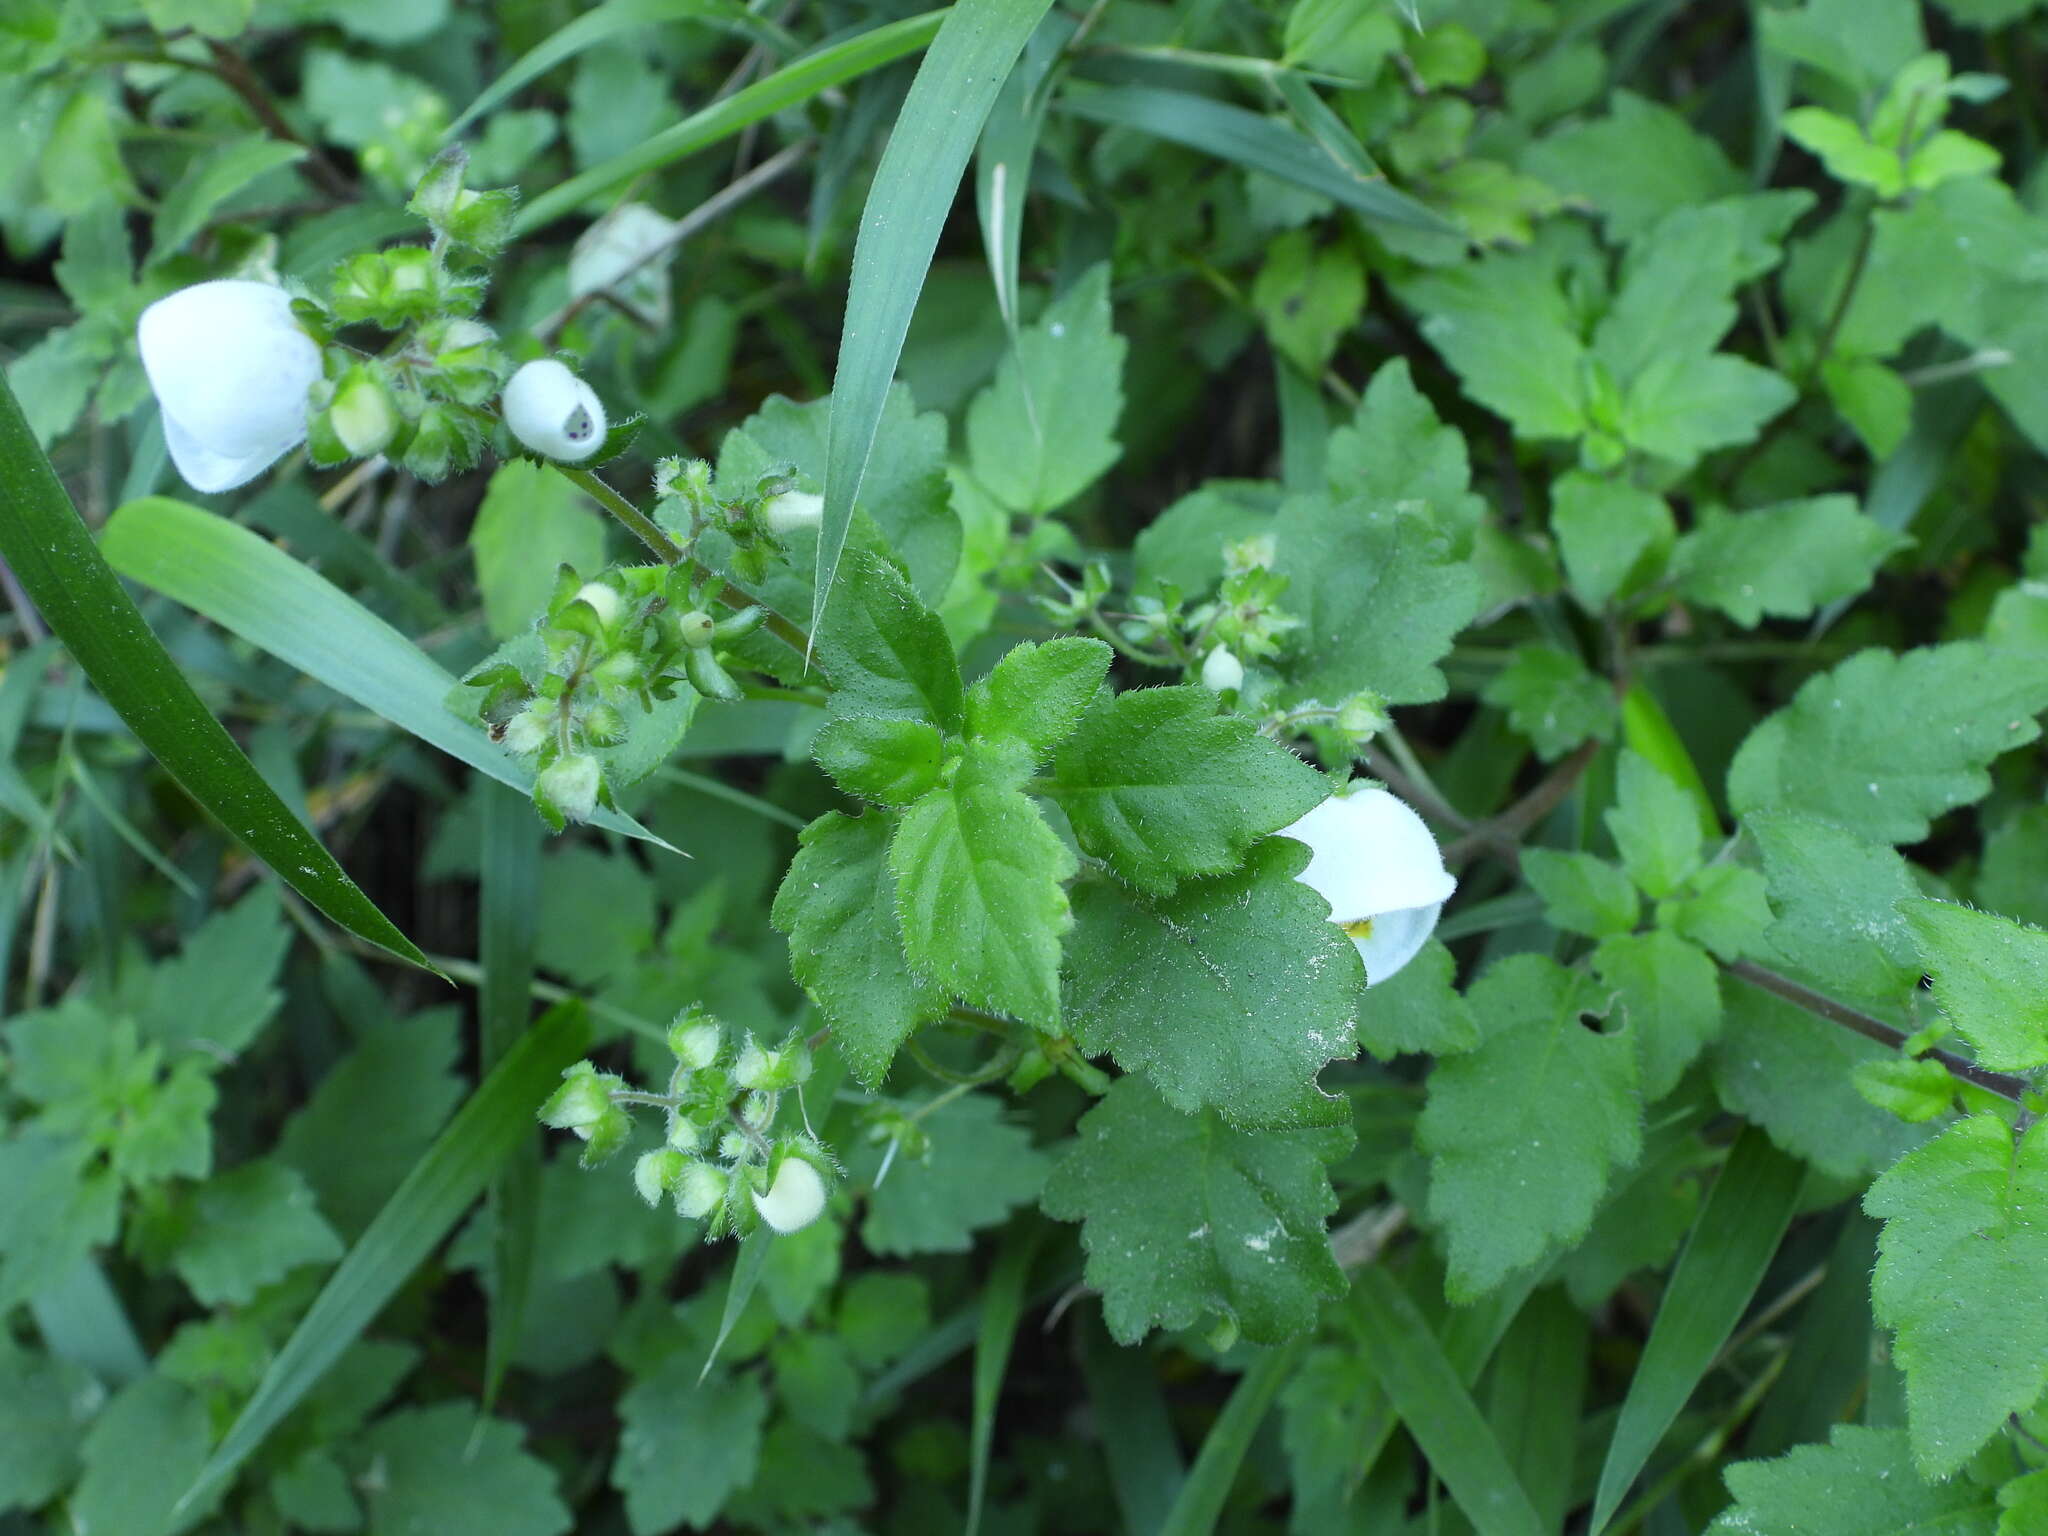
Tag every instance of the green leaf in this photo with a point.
(890, 762)
(220, 989)
(1637, 164)
(1914, 1090)
(815, 1381)
(1965, 1243)
(532, 522)
(1656, 827)
(1418, 1009)
(1785, 561)
(1543, 1096)
(1230, 995)
(425, 1207)
(1613, 536)
(788, 87)
(1722, 908)
(886, 653)
(882, 1313)
(838, 904)
(1668, 994)
(1553, 699)
(956, 84)
(1428, 1394)
(56, 1212)
(1395, 448)
(1836, 751)
(1778, 1065)
(1724, 1261)
(1002, 1310)
(143, 1448)
(254, 589)
(1644, 1218)
(1852, 1486)
(1379, 594)
(1310, 298)
(45, 1403)
(1681, 407)
(1256, 142)
(250, 1227)
(1182, 1215)
(1990, 978)
(975, 1170)
(1581, 892)
(1161, 787)
(1045, 429)
(686, 1447)
(1037, 694)
(210, 181)
(979, 888)
(69, 581)
(1503, 324)
(446, 1469)
(1837, 899)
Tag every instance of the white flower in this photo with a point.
(1222, 671)
(793, 510)
(553, 412)
(1378, 868)
(604, 601)
(231, 368)
(627, 254)
(795, 1198)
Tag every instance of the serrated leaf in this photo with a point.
(1958, 1280)
(1656, 827)
(886, 653)
(45, 1404)
(978, 887)
(1045, 429)
(1858, 1484)
(890, 762)
(1837, 898)
(1784, 561)
(251, 1226)
(1613, 535)
(1991, 979)
(1668, 994)
(1161, 787)
(1184, 1216)
(1396, 449)
(1524, 1133)
(1230, 994)
(447, 1470)
(1837, 750)
(1722, 908)
(1680, 407)
(1418, 1008)
(1552, 698)
(1581, 892)
(140, 1453)
(977, 1168)
(221, 987)
(1504, 325)
(838, 905)
(1635, 165)
(1039, 691)
(1380, 596)
(686, 1447)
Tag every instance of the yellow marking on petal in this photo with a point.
(1362, 929)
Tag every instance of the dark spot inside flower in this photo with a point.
(579, 425)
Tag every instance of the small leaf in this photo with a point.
(890, 762)
(1852, 1486)
(1990, 978)
(1783, 561)
(886, 653)
(1038, 693)
(1581, 893)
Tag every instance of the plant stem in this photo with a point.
(1503, 834)
(233, 71)
(1821, 1006)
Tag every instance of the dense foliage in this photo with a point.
(711, 735)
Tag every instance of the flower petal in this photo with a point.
(1371, 855)
(231, 369)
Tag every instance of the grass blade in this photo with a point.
(1439, 1412)
(1535, 1397)
(249, 586)
(1200, 1504)
(71, 583)
(422, 1211)
(509, 925)
(1232, 133)
(1145, 1466)
(1830, 1355)
(1002, 166)
(746, 1275)
(82, 1320)
(1724, 1260)
(587, 31)
(789, 86)
(955, 88)
(1002, 1305)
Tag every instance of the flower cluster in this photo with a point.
(756, 520)
(721, 1160)
(611, 649)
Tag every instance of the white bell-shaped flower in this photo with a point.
(1222, 671)
(793, 510)
(231, 368)
(796, 1197)
(553, 412)
(1376, 864)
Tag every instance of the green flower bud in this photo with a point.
(655, 1174)
(604, 726)
(567, 788)
(528, 731)
(795, 1196)
(695, 1042)
(700, 1189)
(697, 628)
(754, 1065)
(364, 415)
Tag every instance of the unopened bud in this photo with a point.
(755, 1065)
(655, 1174)
(696, 628)
(553, 412)
(793, 510)
(527, 731)
(694, 1043)
(1222, 672)
(699, 1189)
(603, 600)
(363, 414)
(569, 786)
(794, 1198)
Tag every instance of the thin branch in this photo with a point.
(1822, 1006)
(1361, 1240)
(1503, 834)
(233, 71)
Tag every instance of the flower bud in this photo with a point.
(568, 786)
(1222, 672)
(1363, 716)
(755, 1065)
(655, 1174)
(231, 369)
(604, 601)
(527, 732)
(695, 1042)
(793, 510)
(364, 416)
(684, 1134)
(553, 412)
(1376, 864)
(795, 1197)
(580, 1104)
(699, 1189)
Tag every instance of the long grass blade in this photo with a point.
(70, 582)
(955, 88)
(1200, 1504)
(1826, 1368)
(1002, 165)
(1232, 133)
(254, 589)
(1731, 1243)
(1432, 1401)
(1146, 1469)
(1002, 1306)
(422, 1211)
(788, 87)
